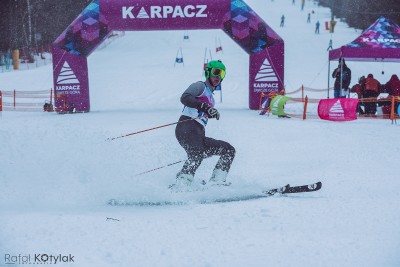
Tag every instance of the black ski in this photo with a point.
(294, 189)
(287, 189)
(274, 191)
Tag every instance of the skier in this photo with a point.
(282, 21)
(317, 27)
(198, 101)
(330, 45)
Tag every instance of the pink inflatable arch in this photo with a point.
(101, 17)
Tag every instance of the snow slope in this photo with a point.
(58, 171)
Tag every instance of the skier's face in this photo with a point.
(215, 80)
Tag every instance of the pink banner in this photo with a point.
(338, 109)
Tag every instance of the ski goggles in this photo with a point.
(217, 72)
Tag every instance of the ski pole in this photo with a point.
(159, 168)
(154, 128)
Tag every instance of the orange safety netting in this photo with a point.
(389, 103)
(25, 100)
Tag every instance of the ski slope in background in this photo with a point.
(58, 171)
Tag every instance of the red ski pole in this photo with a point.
(154, 128)
(159, 168)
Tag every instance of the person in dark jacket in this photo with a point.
(342, 74)
(198, 104)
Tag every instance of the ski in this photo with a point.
(294, 189)
(279, 191)
(203, 185)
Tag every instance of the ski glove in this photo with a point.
(211, 112)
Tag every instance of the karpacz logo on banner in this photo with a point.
(265, 87)
(67, 82)
(163, 12)
(336, 110)
(266, 79)
(37, 259)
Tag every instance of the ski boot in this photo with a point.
(218, 178)
(183, 182)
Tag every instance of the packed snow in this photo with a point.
(58, 171)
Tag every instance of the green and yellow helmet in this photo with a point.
(215, 68)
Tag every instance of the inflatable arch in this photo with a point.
(101, 17)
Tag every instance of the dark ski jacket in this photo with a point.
(346, 77)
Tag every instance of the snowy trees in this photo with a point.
(27, 23)
(361, 13)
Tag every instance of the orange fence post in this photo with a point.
(64, 107)
(1, 102)
(392, 110)
(15, 96)
(305, 108)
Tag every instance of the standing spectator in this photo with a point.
(282, 21)
(342, 74)
(317, 27)
(372, 88)
(309, 18)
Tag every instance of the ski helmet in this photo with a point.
(215, 64)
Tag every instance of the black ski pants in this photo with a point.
(191, 136)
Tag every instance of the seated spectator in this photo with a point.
(359, 89)
(393, 85)
(396, 89)
(389, 86)
(372, 89)
(393, 88)
(396, 92)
